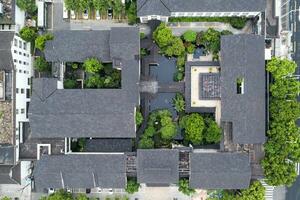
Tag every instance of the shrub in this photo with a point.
(190, 36)
(132, 186)
(190, 48)
(199, 38)
(211, 40)
(59, 195)
(149, 131)
(28, 34)
(131, 13)
(146, 143)
(92, 65)
(142, 35)
(184, 187)
(27, 5)
(41, 40)
(179, 76)
(139, 117)
(41, 65)
(179, 102)
(144, 52)
(180, 61)
(6, 198)
(94, 82)
(81, 197)
(213, 132)
(176, 48)
(163, 35)
(69, 84)
(193, 125)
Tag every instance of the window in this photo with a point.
(27, 93)
(25, 46)
(17, 111)
(20, 71)
(20, 44)
(24, 54)
(20, 53)
(22, 91)
(22, 111)
(15, 60)
(15, 51)
(24, 63)
(17, 90)
(15, 42)
(20, 62)
(28, 81)
(240, 85)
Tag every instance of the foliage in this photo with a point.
(199, 38)
(118, 8)
(28, 33)
(235, 22)
(180, 61)
(101, 6)
(163, 35)
(69, 84)
(142, 35)
(59, 195)
(184, 187)
(41, 40)
(146, 143)
(212, 133)
(190, 36)
(132, 186)
(81, 197)
(27, 5)
(94, 82)
(138, 117)
(179, 102)
(41, 65)
(193, 125)
(6, 198)
(131, 13)
(176, 47)
(282, 149)
(144, 52)
(92, 65)
(190, 48)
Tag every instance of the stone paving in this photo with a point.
(6, 122)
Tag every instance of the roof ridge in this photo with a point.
(165, 5)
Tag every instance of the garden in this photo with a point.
(163, 130)
(91, 74)
(179, 47)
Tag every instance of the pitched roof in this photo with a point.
(10, 174)
(80, 171)
(108, 145)
(157, 166)
(7, 154)
(243, 57)
(219, 170)
(165, 7)
(5, 50)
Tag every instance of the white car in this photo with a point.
(98, 15)
(85, 14)
(73, 16)
(50, 191)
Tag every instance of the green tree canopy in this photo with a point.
(132, 186)
(176, 47)
(28, 33)
(41, 65)
(131, 13)
(146, 143)
(81, 197)
(281, 67)
(163, 36)
(6, 198)
(138, 117)
(27, 5)
(59, 195)
(193, 125)
(184, 187)
(92, 65)
(213, 132)
(190, 36)
(179, 102)
(41, 40)
(69, 84)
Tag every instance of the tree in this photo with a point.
(190, 48)
(72, 5)
(41, 40)
(132, 186)
(118, 8)
(6, 198)
(28, 33)
(131, 13)
(27, 5)
(146, 143)
(211, 40)
(92, 65)
(184, 187)
(69, 84)
(190, 36)
(213, 132)
(193, 125)
(59, 195)
(163, 35)
(81, 197)
(179, 102)
(281, 67)
(176, 47)
(41, 65)
(94, 82)
(168, 128)
(199, 38)
(138, 117)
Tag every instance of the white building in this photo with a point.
(163, 9)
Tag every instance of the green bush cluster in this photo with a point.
(27, 5)
(28, 33)
(70, 84)
(132, 186)
(198, 130)
(235, 22)
(184, 187)
(131, 12)
(179, 102)
(138, 117)
(41, 65)
(41, 40)
(282, 149)
(160, 125)
(180, 65)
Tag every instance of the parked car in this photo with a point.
(110, 13)
(98, 17)
(73, 16)
(85, 14)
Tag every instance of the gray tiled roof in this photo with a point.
(100, 113)
(157, 166)
(7, 154)
(10, 174)
(165, 7)
(242, 56)
(80, 171)
(109, 145)
(219, 170)
(5, 50)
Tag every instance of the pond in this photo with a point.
(199, 51)
(165, 70)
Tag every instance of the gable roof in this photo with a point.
(165, 7)
(5, 50)
(7, 154)
(157, 166)
(219, 170)
(80, 171)
(10, 174)
(242, 56)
